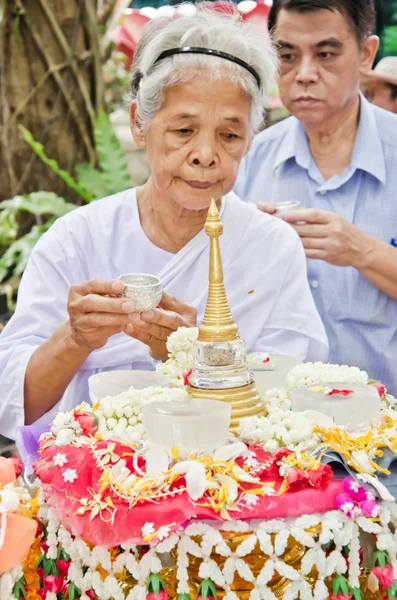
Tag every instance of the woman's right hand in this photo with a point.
(96, 313)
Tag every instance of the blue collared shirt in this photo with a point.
(361, 321)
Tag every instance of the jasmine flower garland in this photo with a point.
(318, 373)
(180, 352)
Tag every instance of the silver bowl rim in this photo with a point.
(156, 283)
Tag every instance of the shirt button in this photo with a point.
(323, 192)
(314, 284)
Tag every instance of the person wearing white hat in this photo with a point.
(380, 84)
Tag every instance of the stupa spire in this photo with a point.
(220, 369)
(218, 324)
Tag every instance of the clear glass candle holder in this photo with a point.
(112, 383)
(270, 371)
(194, 425)
(220, 365)
(354, 407)
(283, 207)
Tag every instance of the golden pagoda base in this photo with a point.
(245, 401)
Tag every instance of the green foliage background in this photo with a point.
(387, 27)
(89, 183)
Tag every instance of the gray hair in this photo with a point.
(205, 29)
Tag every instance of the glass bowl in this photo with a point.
(145, 290)
(354, 407)
(112, 383)
(271, 374)
(194, 425)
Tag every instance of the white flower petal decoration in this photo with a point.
(9, 500)
(242, 475)
(196, 481)
(360, 461)
(65, 437)
(229, 452)
(251, 499)
(69, 475)
(147, 530)
(375, 483)
(232, 489)
(60, 460)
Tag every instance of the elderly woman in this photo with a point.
(199, 87)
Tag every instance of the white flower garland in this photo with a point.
(334, 527)
(281, 428)
(319, 373)
(180, 351)
(119, 417)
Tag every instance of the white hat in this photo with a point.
(385, 70)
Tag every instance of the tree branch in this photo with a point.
(5, 109)
(91, 26)
(69, 100)
(66, 48)
(42, 81)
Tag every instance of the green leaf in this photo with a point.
(380, 558)
(38, 149)
(39, 561)
(111, 158)
(47, 567)
(155, 584)
(8, 225)
(19, 589)
(356, 593)
(73, 592)
(207, 589)
(65, 555)
(340, 585)
(39, 203)
(54, 568)
(92, 179)
(391, 593)
(17, 255)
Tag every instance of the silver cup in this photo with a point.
(145, 290)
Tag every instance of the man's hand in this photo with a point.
(267, 207)
(326, 236)
(155, 326)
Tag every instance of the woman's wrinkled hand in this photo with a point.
(96, 313)
(155, 326)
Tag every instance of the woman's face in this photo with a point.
(196, 141)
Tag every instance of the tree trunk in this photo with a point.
(50, 82)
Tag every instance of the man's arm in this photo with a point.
(326, 236)
(379, 265)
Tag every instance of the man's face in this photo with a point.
(381, 95)
(321, 61)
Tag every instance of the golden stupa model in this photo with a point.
(220, 357)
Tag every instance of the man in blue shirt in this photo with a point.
(337, 155)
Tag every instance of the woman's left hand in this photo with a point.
(155, 326)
